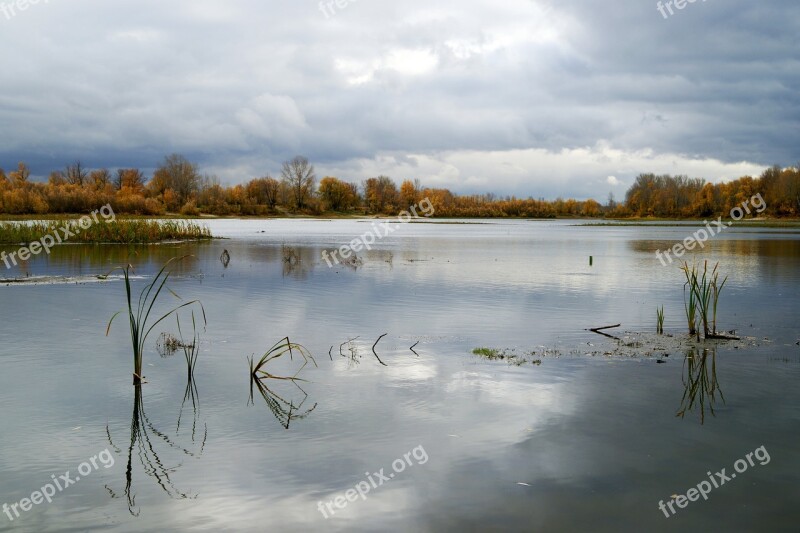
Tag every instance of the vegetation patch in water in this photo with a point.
(111, 232)
(494, 354)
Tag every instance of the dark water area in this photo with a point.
(572, 440)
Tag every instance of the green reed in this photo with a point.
(660, 320)
(139, 316)
(704, 291)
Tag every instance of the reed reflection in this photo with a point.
(701, 387)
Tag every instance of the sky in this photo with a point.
(538, 98)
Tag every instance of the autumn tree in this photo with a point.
(409, 193)
(338, 195)
(380, 194)
(264, 191)
(299, 178)
(57, 178)
(100, 178)
(176, 174)
(21, 175)
(131, 179)
(591, 208)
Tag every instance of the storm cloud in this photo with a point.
(528, 97)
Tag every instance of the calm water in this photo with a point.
(581, 442)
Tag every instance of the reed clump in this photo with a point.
(660, 320)
(139, 312)
(704, 289)
(110, 232)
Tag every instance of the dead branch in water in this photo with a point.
(412, 348)
(376, 353)
(346, 342)
(599, 331)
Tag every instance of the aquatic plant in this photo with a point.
(281, 348)
(111, 232)
(488, 353)
(660, 319)
(285, 411)
(139, 317)
(704, 292)
(507, 355)
(691, 308)
(190, 350)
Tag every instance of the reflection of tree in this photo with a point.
(143, 440)
(700, 383)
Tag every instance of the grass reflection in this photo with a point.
(700, 383)
(145, 440)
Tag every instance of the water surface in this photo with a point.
(582, 441)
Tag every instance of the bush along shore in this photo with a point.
(110, 232)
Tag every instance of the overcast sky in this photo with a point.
(527, 97)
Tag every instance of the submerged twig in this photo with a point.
(376, 353)
(412, 348)
(346, 342)
(599, 331)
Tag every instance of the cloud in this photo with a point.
(530, 97)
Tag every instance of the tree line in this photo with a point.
(682, 197)
(178, 187)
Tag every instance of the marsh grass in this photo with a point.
(285, 411)
(112, 232)
(139, 316)
(704, 291)
(279, 349)
(660, 320)
(190, 350)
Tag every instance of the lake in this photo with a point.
(570, 431)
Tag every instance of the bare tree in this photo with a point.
(298, 175)
(76, 174)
